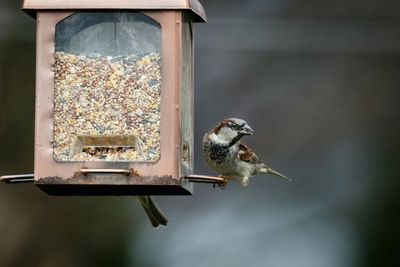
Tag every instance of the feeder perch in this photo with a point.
(114, 97)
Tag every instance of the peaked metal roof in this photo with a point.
(194, 6)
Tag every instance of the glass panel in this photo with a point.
(107, 91)
(186, 95)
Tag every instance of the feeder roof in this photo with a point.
(32, 6)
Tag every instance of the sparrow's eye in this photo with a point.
(236, 126)
(233, 125)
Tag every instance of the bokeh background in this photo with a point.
(319, 81)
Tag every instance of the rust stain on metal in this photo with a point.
(110, 179)
(134, 172)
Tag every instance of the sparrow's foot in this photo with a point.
(224, 183)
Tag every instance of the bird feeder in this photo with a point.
(114, 96)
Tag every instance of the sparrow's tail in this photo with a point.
(268, 170)
(154, 213)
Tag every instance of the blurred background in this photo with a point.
(317, 80)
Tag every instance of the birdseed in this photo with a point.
(108, 97)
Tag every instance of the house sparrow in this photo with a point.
(154, 213)
(230, 156)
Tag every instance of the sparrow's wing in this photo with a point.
(247, 155)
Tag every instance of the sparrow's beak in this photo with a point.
(246, 130)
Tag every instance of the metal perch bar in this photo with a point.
(18, 178)
(117, 171)
(196, 178)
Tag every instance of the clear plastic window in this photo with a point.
(107, 91)
(186, 94)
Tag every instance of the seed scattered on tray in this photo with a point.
(107, 96)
